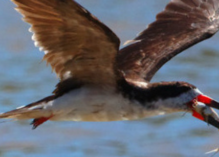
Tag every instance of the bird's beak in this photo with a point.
(208, 101)
(201, 108)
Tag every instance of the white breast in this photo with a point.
(101, 104)
(90, 104)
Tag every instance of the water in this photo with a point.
(25, 79)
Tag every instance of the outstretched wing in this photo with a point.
(182, 24)
(76, 44)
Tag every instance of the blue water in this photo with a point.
(24, 79)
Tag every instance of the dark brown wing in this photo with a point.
(76, 44)
(182, 24)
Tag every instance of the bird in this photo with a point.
(98, 81)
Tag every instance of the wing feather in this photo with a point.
(182, 24)
(76, 45)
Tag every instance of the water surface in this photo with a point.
(25, 79)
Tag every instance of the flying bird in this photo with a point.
(99, 81)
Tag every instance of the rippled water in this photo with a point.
(24, 79)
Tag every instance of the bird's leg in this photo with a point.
(38, 121)
(201, 109)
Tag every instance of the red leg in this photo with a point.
(39, 121)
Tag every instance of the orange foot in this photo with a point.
(39, 121)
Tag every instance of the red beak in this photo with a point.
(211, 119)
(208, 101)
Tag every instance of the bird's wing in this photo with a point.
(182, 24)
(76, 44)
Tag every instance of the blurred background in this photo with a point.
(24, 79)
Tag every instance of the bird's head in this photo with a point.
(182, 96)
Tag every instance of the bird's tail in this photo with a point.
(34, 111)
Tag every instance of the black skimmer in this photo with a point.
(99, 82)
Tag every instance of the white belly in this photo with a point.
(87, 104)
(101, 104)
